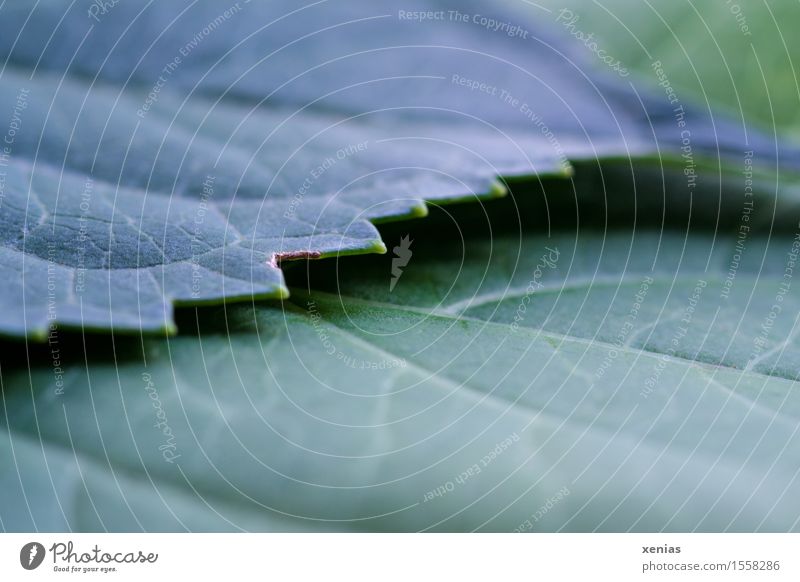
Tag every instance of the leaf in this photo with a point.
(737, 55)
(424, 407)
(175, 153)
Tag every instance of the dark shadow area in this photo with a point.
(610, 196)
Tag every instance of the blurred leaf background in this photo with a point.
(738, 55)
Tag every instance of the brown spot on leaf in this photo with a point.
(278, 258)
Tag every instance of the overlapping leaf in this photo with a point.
(165, 153)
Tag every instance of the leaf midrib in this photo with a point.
(541, 332)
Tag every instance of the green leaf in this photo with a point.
(174, 153)
(582, 381)
(198, 215)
